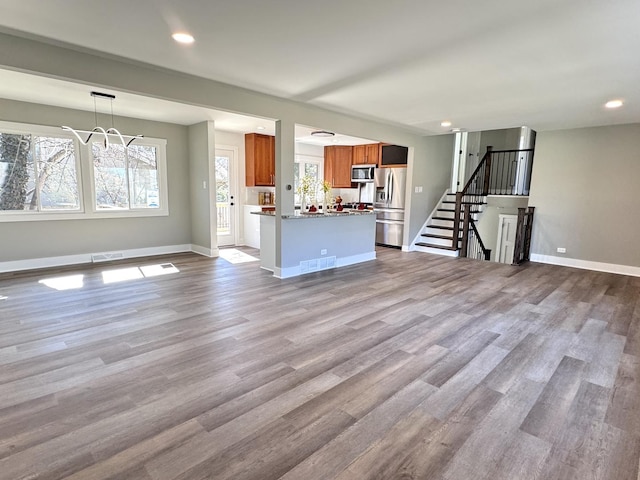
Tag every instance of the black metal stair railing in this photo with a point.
(523, 235)
(472, 245)
(500, 172)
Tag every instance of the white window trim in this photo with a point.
(302, 159)
(161, 159)
(86, 187)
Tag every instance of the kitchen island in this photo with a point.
(313, 242)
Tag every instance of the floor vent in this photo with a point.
(317, 264)
(106, 257)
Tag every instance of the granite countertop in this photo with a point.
(298, 215)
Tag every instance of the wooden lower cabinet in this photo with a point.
(337, 165)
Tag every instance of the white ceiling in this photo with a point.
(485, 64)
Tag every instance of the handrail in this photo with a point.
(485, 251)
(500, 172)
(478, 168)
(472, 245)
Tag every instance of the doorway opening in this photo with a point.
(226, 194)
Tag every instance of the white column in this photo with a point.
(285, 154)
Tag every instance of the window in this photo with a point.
(46, 174)
(38, 173)
(125, 178)
(311, 166)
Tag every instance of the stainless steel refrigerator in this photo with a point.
(389, 205)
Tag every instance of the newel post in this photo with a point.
(487, 171)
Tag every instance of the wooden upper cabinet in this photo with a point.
(260, 160)
(337, 165)
(366, 154)
(393, 155)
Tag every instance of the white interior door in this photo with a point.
(226, 195)
(506, 238)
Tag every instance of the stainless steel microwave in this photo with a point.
(363, 173)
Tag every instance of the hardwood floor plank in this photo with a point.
(492, 438)
(420, 446)
(223, 371)
(624, 408)
(549, 412)
(454, 361)
(336, 455)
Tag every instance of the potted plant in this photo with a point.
(306, 188)
(326, 190)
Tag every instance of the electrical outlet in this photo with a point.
(561, 250)
(204, 185)
(323, 251)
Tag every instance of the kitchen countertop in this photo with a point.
(298, 215)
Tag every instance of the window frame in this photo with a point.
(85, 180)
(161, 160)
(302, 160)
(44, 131)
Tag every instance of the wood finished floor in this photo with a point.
(413, 366)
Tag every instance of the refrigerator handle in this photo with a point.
(386, 188)
(391, 179)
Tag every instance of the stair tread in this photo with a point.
(466, 203)
(435, 235)
(441, 247)
(453, 211)
(440, 227)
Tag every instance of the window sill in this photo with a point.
(50, 216)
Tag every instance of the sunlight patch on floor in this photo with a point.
(135, 273)
(121, 275)
(233, 255)
(67, 282)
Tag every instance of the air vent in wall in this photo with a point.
(106, 257)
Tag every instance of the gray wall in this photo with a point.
(111, 72)
(37, 239)
(490, 219)
(585, 190)
(505, 139)
(201, 153)
(432, 171)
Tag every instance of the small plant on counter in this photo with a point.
(306, 189)
(326, 189)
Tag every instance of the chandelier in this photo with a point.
(106, 133)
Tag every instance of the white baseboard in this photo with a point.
(296, 271)
(47, 262)
(586, 264)
(207, 252)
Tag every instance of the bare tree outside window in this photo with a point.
(125, 178)
(48, 183)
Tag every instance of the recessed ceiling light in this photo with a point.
(183, 37)
(446, 123)
(613, 104)
(260, 127)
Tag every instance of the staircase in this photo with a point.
(451, 229)
(437, 235)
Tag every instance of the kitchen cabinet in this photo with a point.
(366, 154)
(251, 226)
(260, 160)
(337, 165)
(393, 155)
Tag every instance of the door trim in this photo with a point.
(235, 174)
